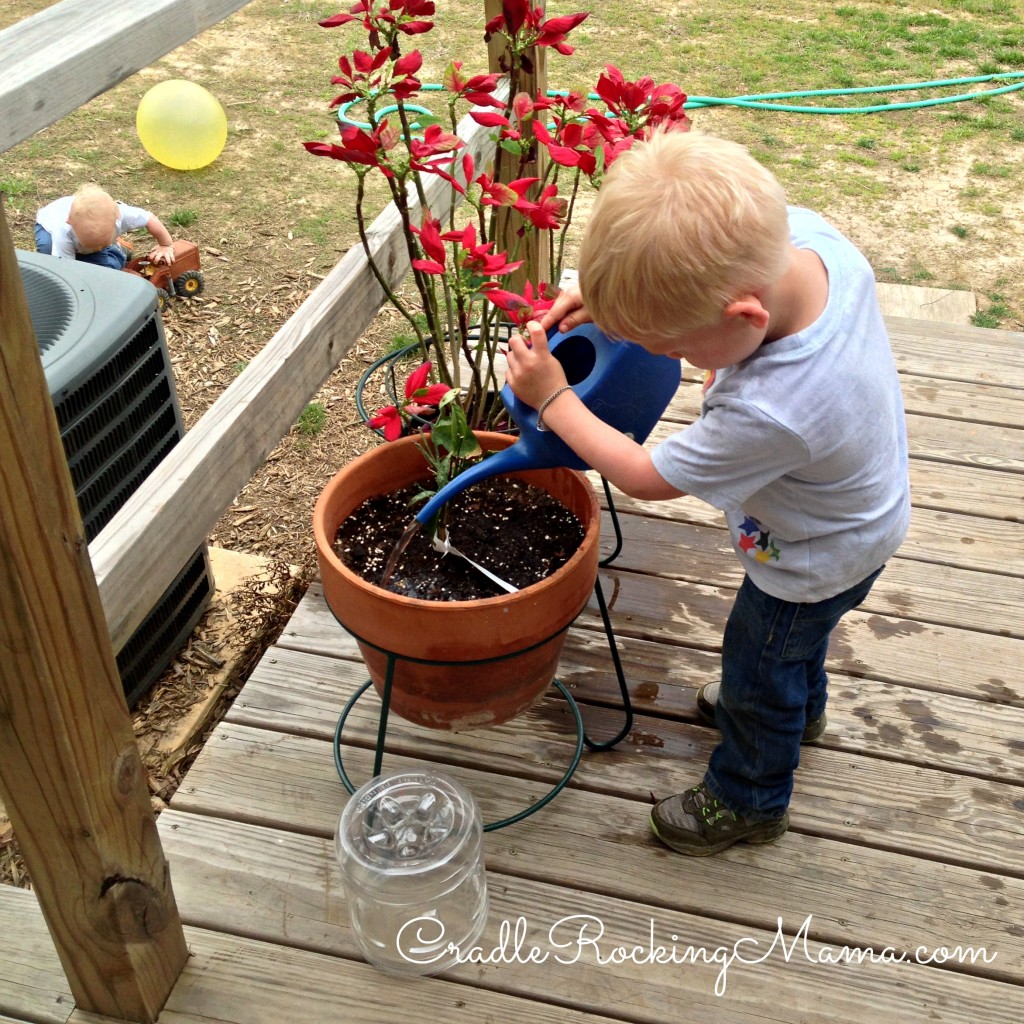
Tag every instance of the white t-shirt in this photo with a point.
(54, 218)
(803, 445)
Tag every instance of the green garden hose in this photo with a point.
(764, 101)
(768, 100)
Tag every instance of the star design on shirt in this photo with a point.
(768, 553)
(756, 541)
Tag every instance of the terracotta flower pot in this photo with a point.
(525, 630)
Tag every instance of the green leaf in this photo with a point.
(468, 448)
(420, 496)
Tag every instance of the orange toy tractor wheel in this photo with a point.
(190, 284)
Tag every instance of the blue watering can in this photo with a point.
(619, 382)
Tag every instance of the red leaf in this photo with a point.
(335, 20)
(428, 266)
(433, 394)
(409, 63)
(564, 23)
(389, 420)
(417, 379)
(489, 119)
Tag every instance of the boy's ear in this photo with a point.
(750, 309)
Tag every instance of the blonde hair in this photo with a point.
(683, 224)
(93, 218)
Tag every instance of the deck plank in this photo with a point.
(969, 490)
(944, 305)
(32, 983)
(946, 440)
(601, 828)
(923, 395)
(884, 804)
(959, 400)
(908, 589)
(961, 540)
(232, 979)
(298, 903)
(945, 351)
(293, 691)
(891, 900)
(925, 655)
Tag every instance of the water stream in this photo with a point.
(404, 541)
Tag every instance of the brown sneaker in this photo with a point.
(698, 824)
(707, 698)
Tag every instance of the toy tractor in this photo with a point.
(181, 277)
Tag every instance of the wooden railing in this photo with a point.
(62, 57)
(70, 774)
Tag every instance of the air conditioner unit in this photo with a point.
(107, 367)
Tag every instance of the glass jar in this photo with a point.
(410, 847)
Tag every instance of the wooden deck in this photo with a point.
(907, 821)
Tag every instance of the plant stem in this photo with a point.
(392, 296)
(556, 265)
(424, 282)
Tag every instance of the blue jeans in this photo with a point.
(773, 683)
(112, 256)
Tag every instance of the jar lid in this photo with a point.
(407, 823)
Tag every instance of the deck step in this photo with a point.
(941, 305)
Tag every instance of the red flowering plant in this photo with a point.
(462, 279)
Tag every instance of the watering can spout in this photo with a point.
(619, 382)
(508, 460)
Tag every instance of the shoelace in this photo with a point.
(711, 808)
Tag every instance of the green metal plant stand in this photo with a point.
(582, 739)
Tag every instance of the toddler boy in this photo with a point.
(692, 252)
(86, 227)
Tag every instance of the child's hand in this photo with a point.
(568, 311)
(161, 254)
(533, 372)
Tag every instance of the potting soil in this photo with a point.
(517, 531)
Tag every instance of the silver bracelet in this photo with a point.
(547, 401)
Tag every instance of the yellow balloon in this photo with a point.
(181, 125)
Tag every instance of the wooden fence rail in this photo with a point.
(62, 57)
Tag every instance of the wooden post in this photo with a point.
(535, 255)
(70, 772)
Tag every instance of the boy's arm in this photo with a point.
(534, 375)
(163, 251)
